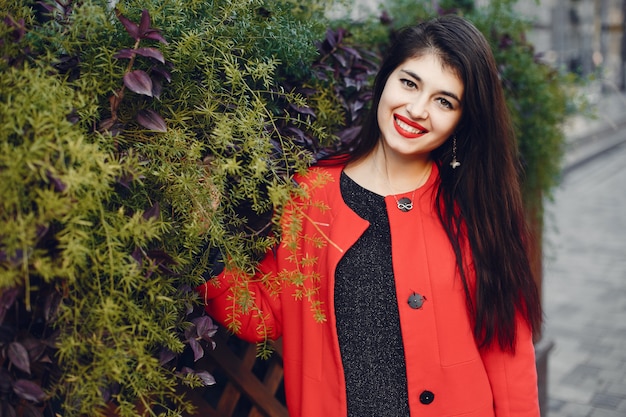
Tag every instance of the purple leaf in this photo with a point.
(355, 107)
(340, 34)
(153, 212)
(49, 7)
(18, 355)
(106, 394)
(34, 347)
(157, 87)
(110, 391)
(137, 256)
(205, 328)
(190, 332)
(139, 82)
(125, 180)
(163, 73)
(297, 132)
(42, 229)
(349, 134)
(7, 299)
(144, 24)
(351, 51)
(198, 352)
(45, 359)
(166, 356)
(30, 410)
(107, 124)
(207, 378)
(150, 53)
(303, 110)
(155, 35)
(151, 120)
(160, 257)
(124, 54)
(51, 305)
(20, 29)
(188, 308)
(59, 186)
(341, 60)
(307, 91)
(130, 26)
(330, 37)
(322, 77)
(351, 82)
(53, 340)
(28, 390)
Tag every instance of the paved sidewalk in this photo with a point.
(584, 286)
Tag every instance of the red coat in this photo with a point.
(441, 354)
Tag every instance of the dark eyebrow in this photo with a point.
(418, 78)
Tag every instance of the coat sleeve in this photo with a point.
(513, 376)
(245, 304)
(253, 306)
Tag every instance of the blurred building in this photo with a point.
(584, 36)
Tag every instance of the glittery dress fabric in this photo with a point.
(366, 308)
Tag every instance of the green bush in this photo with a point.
(135, 142)
(139, 141)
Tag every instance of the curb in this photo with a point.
(598, 143)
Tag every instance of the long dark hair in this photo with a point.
(479, 202)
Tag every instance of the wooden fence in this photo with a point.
(246, 386)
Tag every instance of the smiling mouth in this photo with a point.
(411, 129)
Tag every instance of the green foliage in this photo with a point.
(63, 226)
(538, 98)
(136, 142)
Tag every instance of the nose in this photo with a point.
(418, 108)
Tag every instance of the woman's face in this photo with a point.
(420, 107)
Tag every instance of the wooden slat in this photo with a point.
(231, 395)
(241, 376)
(272, 380)
(203, 408)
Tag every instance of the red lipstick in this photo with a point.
(416, 130)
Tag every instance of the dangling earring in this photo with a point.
(454, 164)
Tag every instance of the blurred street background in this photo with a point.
(584, 280)
(584, 283)
(584, 261)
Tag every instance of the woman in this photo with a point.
(406, 285)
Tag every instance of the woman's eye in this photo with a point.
(444, 103)
(408, 83)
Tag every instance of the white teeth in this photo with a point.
(408, 128)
